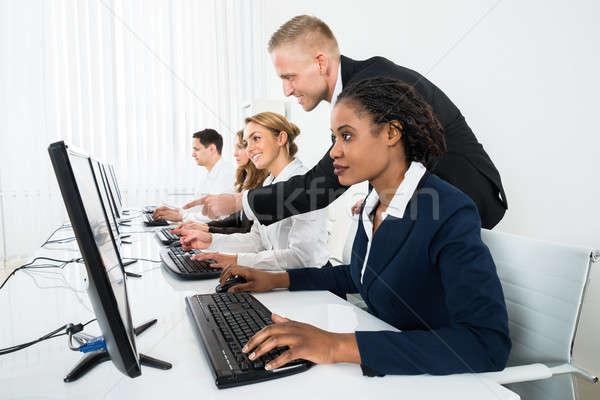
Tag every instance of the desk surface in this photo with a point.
(35, 302)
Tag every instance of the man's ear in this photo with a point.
(395, 132)
(322, 62)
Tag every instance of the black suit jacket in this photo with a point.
(466, 165)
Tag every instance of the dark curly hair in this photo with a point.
(387, 100)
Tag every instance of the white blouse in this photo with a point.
(295, 242)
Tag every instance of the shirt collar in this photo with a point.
(338, 86)
(215, 169)
(286, 173)
(403, 194)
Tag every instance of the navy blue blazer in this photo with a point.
(429, 275)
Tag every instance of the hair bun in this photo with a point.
(295, 130)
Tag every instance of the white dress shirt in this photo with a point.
(295, 242)
(338, 87)
(397, 206)
(220, 179)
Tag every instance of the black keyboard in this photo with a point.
(178, 262)
(225, 322)
(148, 209)
(154, 222)
(165, 236)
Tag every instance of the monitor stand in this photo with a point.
(130, 274)
(94, 358)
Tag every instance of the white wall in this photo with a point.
(524, 74)
(128, 81)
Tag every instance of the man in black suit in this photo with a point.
(307, 59)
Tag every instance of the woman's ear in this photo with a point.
(282, 139)
(395, 132)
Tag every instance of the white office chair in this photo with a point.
(545, 286)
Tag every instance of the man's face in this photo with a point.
(300, 75)
(201, 154)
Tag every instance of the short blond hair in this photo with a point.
(311, 30)
(277, 123)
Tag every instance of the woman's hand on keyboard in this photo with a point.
(256, 280)
(193, 239)
(222, 260)
(304, 341)
(171, 214)
(194, 226)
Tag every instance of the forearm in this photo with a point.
(449, 350)
(336, 279)
(235, 243)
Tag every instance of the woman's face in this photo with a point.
(261, 145)
(358, 155)
(240, 154)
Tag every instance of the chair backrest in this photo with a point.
(543, 287)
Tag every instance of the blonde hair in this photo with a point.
(247, 176)
(312, 30)
(277, 123)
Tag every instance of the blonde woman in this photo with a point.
(296, 242)
(247, 177)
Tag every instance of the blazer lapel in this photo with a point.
(387, 241)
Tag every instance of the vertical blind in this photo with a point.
(128, 82)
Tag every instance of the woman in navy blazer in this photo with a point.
(417, 259)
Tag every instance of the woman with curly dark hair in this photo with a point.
(417, 259)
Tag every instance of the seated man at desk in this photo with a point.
(417, 259)
(207, 145)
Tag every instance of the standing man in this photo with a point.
(306, 56)
(207, 146)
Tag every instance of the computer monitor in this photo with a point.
(112, 191)
(107, 283)
(111, 169)
(105, 196)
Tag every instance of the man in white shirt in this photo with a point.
(220, 177)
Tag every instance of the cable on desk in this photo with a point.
(68, 328)
(30, 265)
(141, 259)
(64, 226)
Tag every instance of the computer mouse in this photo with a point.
(236, 280)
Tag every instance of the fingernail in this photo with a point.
(251, 356)
(245, 349)
(268, 367)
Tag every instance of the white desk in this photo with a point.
(34, 303)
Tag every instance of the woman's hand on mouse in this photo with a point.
(256, 280)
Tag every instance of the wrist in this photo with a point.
(238, 201)
(281, 280)
(345, 348)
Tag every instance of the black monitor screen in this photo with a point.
(107, 283)
(116, 182)
(108, 206)
(112, 191)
